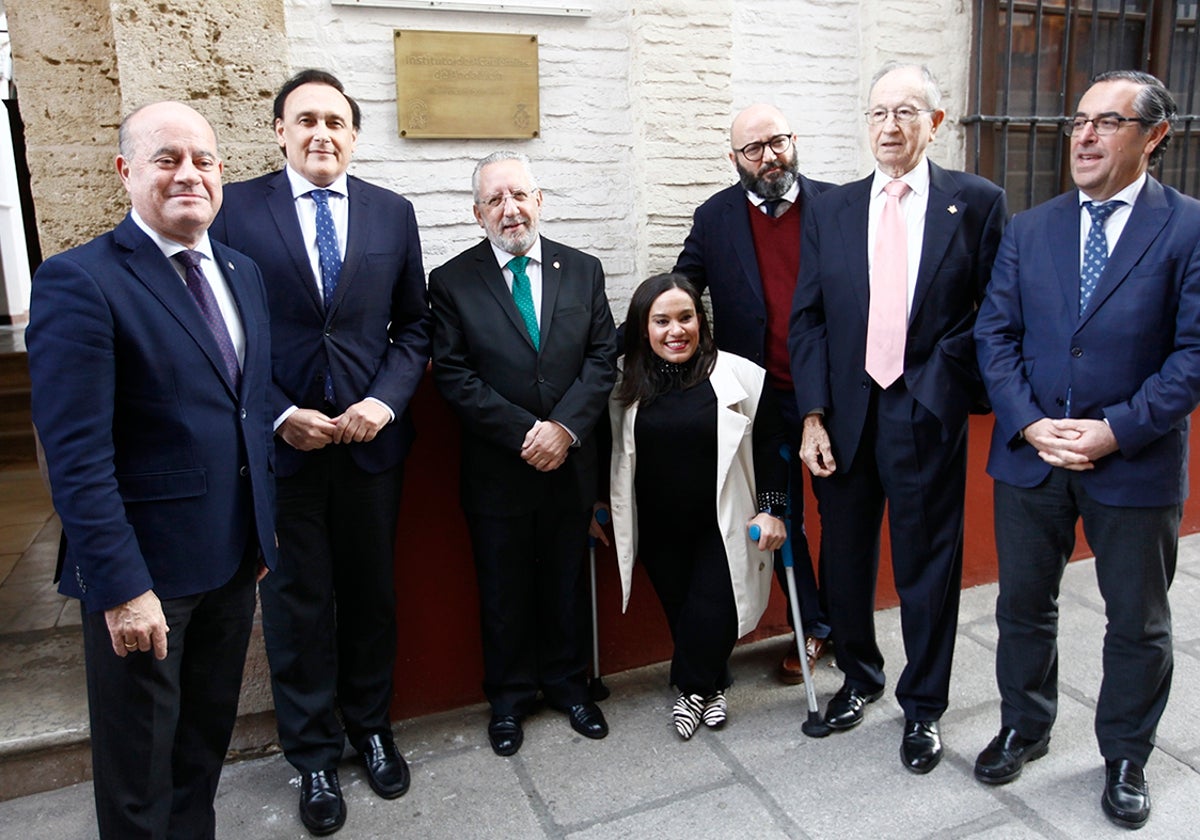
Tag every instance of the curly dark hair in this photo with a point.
(643, 378)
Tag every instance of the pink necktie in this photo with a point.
(887, 318)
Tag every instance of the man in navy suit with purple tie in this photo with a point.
(1089, 344)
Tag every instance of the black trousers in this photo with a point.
(329, 609)
(687, 565)
(1135, 552)
(907, 460)
(160, 729)
(814, 611)
(533, 607)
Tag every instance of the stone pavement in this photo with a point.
(758, 778)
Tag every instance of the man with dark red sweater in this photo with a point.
(744, 248)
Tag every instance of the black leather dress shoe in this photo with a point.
(921, 746)
(387, 771)
(1126, 797)
(588, 720)
(1001, 760)
(845, 709)
(506, 734)
(322, 809)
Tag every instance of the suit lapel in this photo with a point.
(737, 221)
(237, 287)
(852, 222)
(357, 238)
(1063, 229)
(1146, 220)
(283, 211)
(944, 212)
(156, 273)
(551, 283)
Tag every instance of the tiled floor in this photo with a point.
(29, 533)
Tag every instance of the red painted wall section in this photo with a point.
(440, 662)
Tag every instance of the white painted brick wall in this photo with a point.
(636, 102)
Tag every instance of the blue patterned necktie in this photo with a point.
(330, 258)
(197, 284)
(523, 297)
(1095, 250)
(327, 245)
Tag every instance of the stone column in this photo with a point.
(80, 65)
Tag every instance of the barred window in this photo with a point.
(1031, 63)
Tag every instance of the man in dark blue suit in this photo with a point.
(1089, 343)
(150, 357)
(350, 319)
(884, 367)
(744, 247)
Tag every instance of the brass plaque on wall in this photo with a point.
(466, 84)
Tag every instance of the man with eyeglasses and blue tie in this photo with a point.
(524, 351)
(883, 361)
(350, 330)
(744, 248)
(1089, 344)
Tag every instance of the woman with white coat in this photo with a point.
(695, 463)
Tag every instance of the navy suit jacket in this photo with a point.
(161, 472)
(827, 338)
(373, 340)
(719, 255)
(485, 367)
(1133, 359)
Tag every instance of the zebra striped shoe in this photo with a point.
(715, 710)
(686, 714)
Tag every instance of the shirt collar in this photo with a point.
(1128, 195)
(170, 247)
(790, 196)
(534, 253)
(303, 186)
(917, 179)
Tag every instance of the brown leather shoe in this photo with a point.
(815, 648)
(790, 672)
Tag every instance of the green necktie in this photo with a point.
(523, 297)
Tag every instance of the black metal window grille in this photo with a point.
(1031, 63)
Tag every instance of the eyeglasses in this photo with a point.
(496, 201)
(1103, 125)
(778, 144)
(903, 114)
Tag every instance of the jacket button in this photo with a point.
(244, 471)
(1076, 352)
(1060, 402)
(243, 414)
(541, 379)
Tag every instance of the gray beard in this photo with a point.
(767, 189)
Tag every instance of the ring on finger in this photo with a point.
(129, 646)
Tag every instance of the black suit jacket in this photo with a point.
(827, 338)
(160, 469)
(373, 340)
(719, 255)
(485, 366)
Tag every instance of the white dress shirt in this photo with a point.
(790, 197)
(533, 270)
(306, 212)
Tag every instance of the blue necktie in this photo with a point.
(327, 245)
(771, 206)
(523, 297)
(197, 284)
(1095, 250)
(330, 259)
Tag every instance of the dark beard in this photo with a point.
(772, 188)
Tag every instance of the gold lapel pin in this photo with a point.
(951, 209)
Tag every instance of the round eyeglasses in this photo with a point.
(778, 144)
